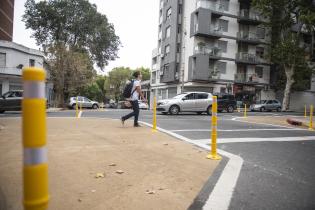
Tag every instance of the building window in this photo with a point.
(178, 48)
(223, 24)
(165, 69)
(221, 67)
(259, 71)
(168, 32)
(2, 59)
(222, 90)
(15, 87)
(169, 13)
(222, 45)
(31, 62)
(225, 4)
(260, 52)
(179, 28)
(167, 49)
(261, 33)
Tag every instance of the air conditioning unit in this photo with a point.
(161, 73)
(162, 55)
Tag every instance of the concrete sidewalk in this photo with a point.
(142, 170)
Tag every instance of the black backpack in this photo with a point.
(127, 90)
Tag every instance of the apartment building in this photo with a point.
(13, 57)
(216, 46)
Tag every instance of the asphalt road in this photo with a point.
(276, 173)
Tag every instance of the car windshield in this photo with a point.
(262, 102)
(179, 96)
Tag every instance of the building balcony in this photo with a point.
(214, 32)
(217, 9)
(10, 71)
(246, 78)
(249, 17)
(214, 53)
(249, 38)
(250, 59)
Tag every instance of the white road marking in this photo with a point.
(220, 197)
(280, 126)
(237, 130)
(238, 140)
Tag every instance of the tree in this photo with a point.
(145, 73)
(76, 24)
(286, 49)
(117, 81)
(69, 71)
(72, 33)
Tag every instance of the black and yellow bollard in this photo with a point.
(154, 115)
(311, 119)
(213, 154)
(35, 171)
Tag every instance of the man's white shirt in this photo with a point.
(135, 94)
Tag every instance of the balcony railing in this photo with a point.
(216, 30)
(218, 7)
(249, 58)
(249, 36)
(244, 78)
(250, 15)
(12, 71)
(212, 51)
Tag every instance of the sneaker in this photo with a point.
(137, 125)
(122, 121)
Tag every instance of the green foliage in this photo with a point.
(145, 73)
(285, 49)
(117, 81)
(75, 24)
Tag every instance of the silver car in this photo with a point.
(198, 102)
(85, 102)
(266, 105)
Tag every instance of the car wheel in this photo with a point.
(230, 109)
(209, 110)
(73, 106)
(95, 106)
(2, 111)
(174, 110)
(165, 113)
(262, 109)
(199, 113)
(220, 111)
(279, 109)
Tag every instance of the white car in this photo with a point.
(198, 102)
(85, 102)
(143, 105)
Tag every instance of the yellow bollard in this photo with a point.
(154, 115)
(311, 118)
(76, 108)
(213, 155)
(35, 170)
(238, 109)
(245, 111)
(305, 111)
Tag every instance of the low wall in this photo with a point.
(299, 99)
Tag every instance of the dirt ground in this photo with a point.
(78, 149)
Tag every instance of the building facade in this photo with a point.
(216, 46)
(13, 57)
(6, 19)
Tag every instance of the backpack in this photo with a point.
(127, 90)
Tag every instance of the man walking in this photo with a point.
(135, 93)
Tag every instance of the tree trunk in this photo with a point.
(286, 99)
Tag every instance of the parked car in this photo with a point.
(198, 102)
(85, 102)
(226, 102)
(266, 105)
(11, 101)
(143, 105)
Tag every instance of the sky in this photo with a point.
(135, 22)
